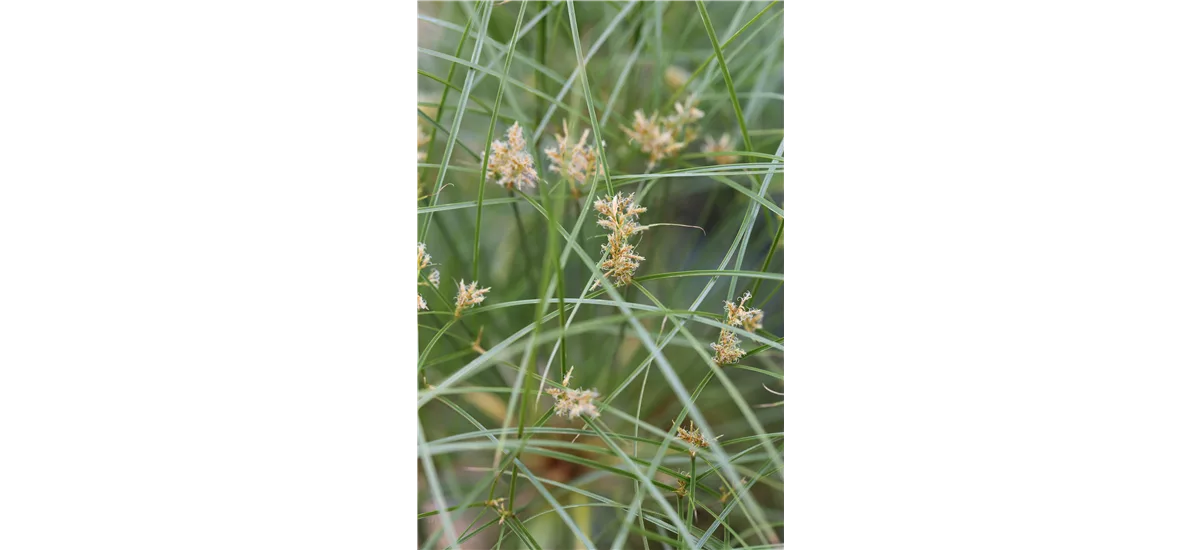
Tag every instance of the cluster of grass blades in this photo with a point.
(672, 449)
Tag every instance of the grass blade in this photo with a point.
(737, 107)
(512, 48)
(435, 486)
(458, 116)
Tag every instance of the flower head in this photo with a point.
(726, 347)
(509, 164)
(723, 144)
(572, 403)
(497, 504)
(654, 139)
(752, 320)
(686, 113)
(693, 438)
(739, 316)
(423, 258)
(619, 216)
(468, 296)
(577, 162)
(664, 137)
(681, 484)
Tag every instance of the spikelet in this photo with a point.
(573, 403)
(497, 504)
(681, 484)
(739, 316)
(683, 122)
(576, 161)
(663, 137)
(726, 350)
(716, 146)
(619, 216)
(424, 260)
(685, 114)
(654, 139)
(693, 438)
(726, 347)
(468, 296)
(509, 164)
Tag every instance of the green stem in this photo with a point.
(587, 96)
(737, 107)
(695, 74)
(562, 298)
(679, 510)
(520, 231)
(692, 493)
(603, 382)
(540, 81)
(512, 487)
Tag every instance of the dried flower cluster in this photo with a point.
(509, 164)
(750, 320)
(662, 137)
(620, 219)
(693, 438)
(468, 296)
(723, 144)
(576, 161)
(574, 403)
